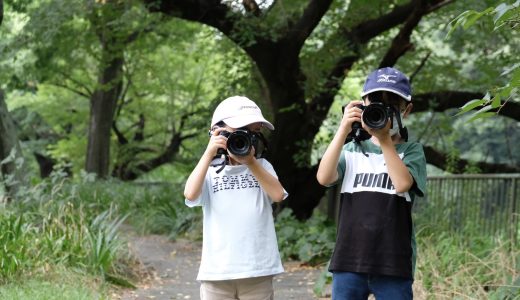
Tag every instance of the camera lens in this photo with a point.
(239, 143)
(375, 115)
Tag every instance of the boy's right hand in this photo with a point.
(216, 141)
(351, 114)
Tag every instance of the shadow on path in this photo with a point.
(174, 267)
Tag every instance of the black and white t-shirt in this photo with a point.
(375, 230)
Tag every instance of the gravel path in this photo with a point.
(174, 267)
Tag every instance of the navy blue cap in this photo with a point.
(390, 80)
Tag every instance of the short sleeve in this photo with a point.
(415, 161)
(203, 197)
(340, 168)
(268, 167)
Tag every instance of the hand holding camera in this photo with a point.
(239, 142)
(217, 142)
(378, 119)
(351, 114)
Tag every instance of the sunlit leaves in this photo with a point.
(502, 14)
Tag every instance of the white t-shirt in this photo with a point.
(239, 239)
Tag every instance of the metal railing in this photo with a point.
(485, 203)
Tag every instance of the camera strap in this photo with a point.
(260, 137)
(403, 131)
(358, 134)
(220, 161)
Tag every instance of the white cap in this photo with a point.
(239, 111)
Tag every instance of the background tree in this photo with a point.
(302, 78)
(11, 157)
(164, 95)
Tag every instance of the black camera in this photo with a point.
(239, 142)
(376, 115)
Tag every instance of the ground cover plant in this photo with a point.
(60, 226)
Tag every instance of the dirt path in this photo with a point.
(174, 267)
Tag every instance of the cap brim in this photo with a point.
(241, 121)
(406, 97)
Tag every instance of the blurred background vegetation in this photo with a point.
(105, 107)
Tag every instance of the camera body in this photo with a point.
(239, 142)
(376, 115)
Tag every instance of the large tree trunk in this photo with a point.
(102, 107)
(13, 171)
(106, 19)
(291, 142)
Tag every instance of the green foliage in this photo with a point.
(15, 246)
(164, 213)
(174, 73)
(102, 238)
(503, 15)
(311, 241)
(324, 279)
(52, 228)
(452, 161)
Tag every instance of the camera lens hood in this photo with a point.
(375, 115)
(239, 143)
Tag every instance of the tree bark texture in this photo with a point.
(102, 107)
(104, 19)
(13, 168)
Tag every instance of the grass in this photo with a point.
(449, 268)
(64, 284)
(57, 226)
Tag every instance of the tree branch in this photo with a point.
(63, 86)
(443, 100)
(320, 104)
(365, 31)
(1, 11)
(87, 93)
(440, 159)
(121, 139)
(310, 18)
(401, 42)
(421, 65)
(209, 12)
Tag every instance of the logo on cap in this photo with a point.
(386, 78)
(248, 107)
